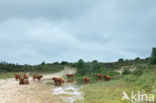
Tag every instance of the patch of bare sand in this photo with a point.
(36, 92)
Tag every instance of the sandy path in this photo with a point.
(36, 92)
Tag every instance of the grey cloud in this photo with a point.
(36, 31)
(51, 9)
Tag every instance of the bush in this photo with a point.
(131, 78)
(138, 72)
(88, 67)
(110, 72)
(126, 72)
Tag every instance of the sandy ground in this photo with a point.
(35, 92)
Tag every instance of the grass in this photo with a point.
(112, 91)
(4, 75)
(109, 92)
(7, 75)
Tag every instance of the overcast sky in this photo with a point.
(32, 31)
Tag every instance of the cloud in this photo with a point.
(36, 31)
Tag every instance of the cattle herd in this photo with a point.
(24, 79)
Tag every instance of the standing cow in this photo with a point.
(58, 81)
(86, 80)
(17, 76)
(70, 77)
(37, 77)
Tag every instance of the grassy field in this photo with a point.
(110, 92)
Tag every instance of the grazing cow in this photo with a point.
(17, 76)
(107, 77)
(23, 81)
(58, 81)
(25, 76)
(98, 77)
(37, 77)
(70, 77)
(87, 80)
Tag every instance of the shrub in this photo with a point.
(138, 72)
(131, 78)
(126, 72)
(106, 71)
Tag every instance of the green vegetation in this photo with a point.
(110, 92)
(138, 75)
(126, 72)
(8, 70)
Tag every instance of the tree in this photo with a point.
(56, 63)
(43, 63)
(137, 59)
(96, 67)
(80, 66)
(120, 60)
(94, 61)
(153, 56)
(64, 63)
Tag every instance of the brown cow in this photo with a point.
(17, 76)
(70, 77)
(107, 77)
(23, 81)
(98, 77)
(25, 76)
(37, 77)
(58, 81)
(87, 80)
